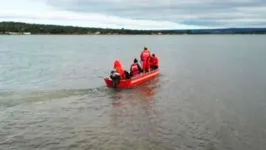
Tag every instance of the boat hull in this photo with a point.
(134, 81)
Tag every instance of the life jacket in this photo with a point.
(117, 64)
(134, 69)
(154, 61)
(118, 67)
(144, 55)
(151, 60)
(120, 71)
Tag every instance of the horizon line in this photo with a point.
(50, 24)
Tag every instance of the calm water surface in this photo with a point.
(210, 95)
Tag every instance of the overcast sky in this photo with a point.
(138, 14)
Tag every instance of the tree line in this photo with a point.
(20, 27)
(58, 29)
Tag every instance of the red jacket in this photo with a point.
(135, 69)
(118, 67)
(154, 61)
(144, 55)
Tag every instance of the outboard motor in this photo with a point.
(115, 76)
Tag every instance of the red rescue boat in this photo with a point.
(129, 83)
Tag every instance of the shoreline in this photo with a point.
(139, 34)
(20, 28)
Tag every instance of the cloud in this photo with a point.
(196, 12)
(88, 20)
(138, 14)
(41, 12)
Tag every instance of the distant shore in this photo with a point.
(19, 28)
(1, 34)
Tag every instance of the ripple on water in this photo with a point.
(209, 95)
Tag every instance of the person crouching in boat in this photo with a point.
(135, 68)
(154, 61)
(144, 56)
(119, 69)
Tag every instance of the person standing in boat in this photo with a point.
(135, 68)
(144, 56)
(154, 61)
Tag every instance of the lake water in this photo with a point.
(210, 95)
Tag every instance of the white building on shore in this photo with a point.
(18, 33)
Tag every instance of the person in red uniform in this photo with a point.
(144, 56)
(154, 62)
(118, 67)
(135, 68)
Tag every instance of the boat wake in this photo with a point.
(13, 98)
